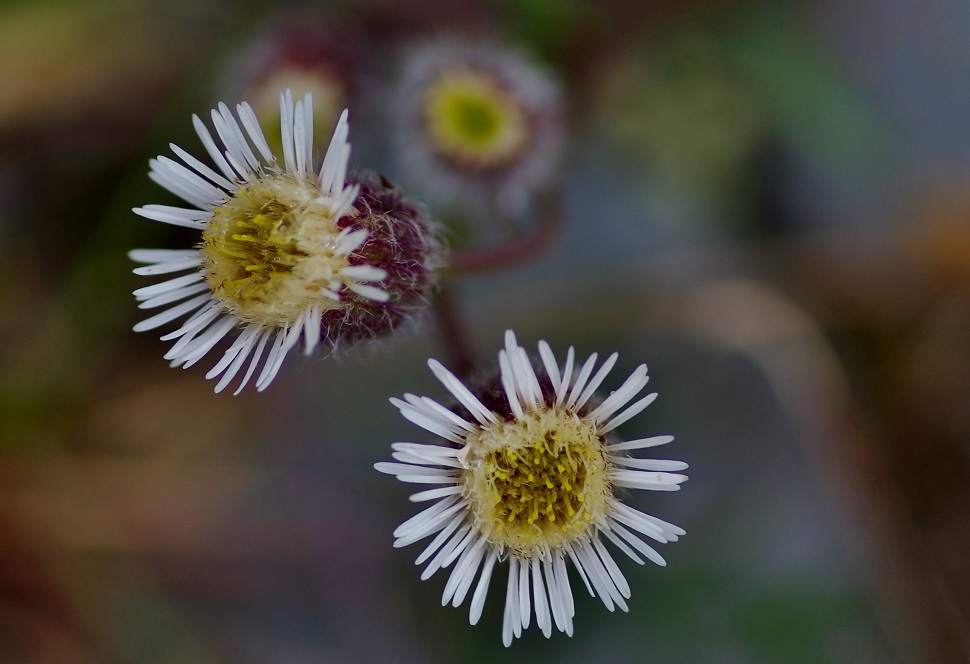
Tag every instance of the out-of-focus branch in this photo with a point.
(925, 623)
(453, 332)
(516, 249)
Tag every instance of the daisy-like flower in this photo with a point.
(528, 473)
(287, 252)
(294, 50)
(479, 118)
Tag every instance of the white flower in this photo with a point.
(528, 473)
(478, 124)
(277, 249)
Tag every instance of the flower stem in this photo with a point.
(518, 248)
(453, 332)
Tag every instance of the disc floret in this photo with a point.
(274, 248)
(538, 482)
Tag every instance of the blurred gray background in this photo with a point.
(767, 202)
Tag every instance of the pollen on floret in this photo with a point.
(537, 482)
(274, 249)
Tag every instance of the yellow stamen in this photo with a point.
(269, 250)
(543, 477)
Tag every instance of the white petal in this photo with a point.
(246, 338)
(233, 139)
(525, 606)
(645, 524)
(173, 215)
(418, 520)
(611, 567)
(648, 464)
(581, 379)
(556, 605)
(274, 360)
(596, 381)
(579, 568)
(567, 374)
(198, 321)
(363, 273)
(637, 543)
(442, 525)
(457, 542)
(391, 468)
(460, 548)
(431, 451)
(511, 623)
(641, 479)
(433, 408)
(214, 152)
(166, 286)
(286, 129)
(328, 181)
(205, 342)
(622, 395)
(481, 590)
(549, 362)
(170, 266)
(432, 494)
(526, 378)
(445, 522)
(460, 392)
(508, 384)
(600, 577)
(431, 424)
(180, 187)
(251, 123)
(640, 443)
(311, 329)
(565, 592)
(464, 573)
(349, 241)
(263, 338)
(370, 292)
(202, 168)
(541, 602)
(631, 411)
(162, 255)
(620, 544)
(299, 138)
(173, 295)
(171, 314)
(308, 129)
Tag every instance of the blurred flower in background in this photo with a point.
(301, 51)
(478, 125)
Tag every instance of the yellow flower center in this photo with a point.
(472, 119)
(269, 252)
(537, 482)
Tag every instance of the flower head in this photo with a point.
(528, 473)
(295, 50)
(479, 118)
(286, 252)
